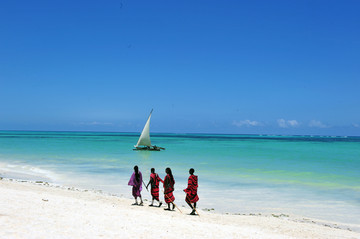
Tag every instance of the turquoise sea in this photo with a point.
(309, 176)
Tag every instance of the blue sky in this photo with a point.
(260, 67)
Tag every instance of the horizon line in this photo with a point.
(189, 133)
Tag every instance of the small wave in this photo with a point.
(19, 171)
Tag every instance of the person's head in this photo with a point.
(168, 171)
(137, 175)
(191, 171)
(152, 170)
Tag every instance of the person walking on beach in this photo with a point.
(169, 188)
(154, 181)
(136, 183)
(191, 191)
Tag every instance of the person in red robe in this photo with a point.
(191, 191)
(168, 189)
(154, 181)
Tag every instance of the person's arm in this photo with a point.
(188, 187)
(162, 181)
(150, 181)
(166, 183)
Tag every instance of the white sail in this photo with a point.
(145, 134)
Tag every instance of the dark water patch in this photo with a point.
(272, 138)
(209, 137)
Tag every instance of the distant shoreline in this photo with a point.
(155, 134)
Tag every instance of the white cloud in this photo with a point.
(247, 123)
(287, 123)
(94, 123)
(317, 124)
(282, 123)
(293, 123)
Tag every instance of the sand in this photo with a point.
(39, 210)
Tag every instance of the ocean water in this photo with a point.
(310, 176)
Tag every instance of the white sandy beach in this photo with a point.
(40, 210)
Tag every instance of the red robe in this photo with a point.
(191, 190)
(168, 189)
(155, 181)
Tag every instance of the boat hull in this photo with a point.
(149, 148)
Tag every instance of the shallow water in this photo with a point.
(312, 176)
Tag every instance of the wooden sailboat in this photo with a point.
(144, 142)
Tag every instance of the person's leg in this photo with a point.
(141, 201)
(193, 211)
(136, 203)
(160, 203)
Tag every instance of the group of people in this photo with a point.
(191, 198)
